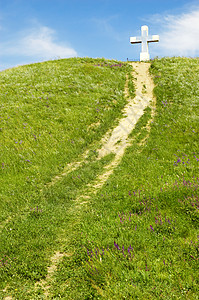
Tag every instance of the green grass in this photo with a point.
(137, 238)
(46, 110)
(47, 116)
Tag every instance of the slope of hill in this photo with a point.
(50, 114)
(135, 238)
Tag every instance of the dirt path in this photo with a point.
(117, 140)
(113, 142)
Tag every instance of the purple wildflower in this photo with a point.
(151, 227)
(116, 246)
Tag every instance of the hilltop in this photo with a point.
(65, 235)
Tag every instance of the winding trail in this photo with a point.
(132, 112)
(119, 140)
(113, 142)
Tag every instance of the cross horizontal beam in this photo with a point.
(149, 39)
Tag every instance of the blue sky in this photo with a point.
(39, 30)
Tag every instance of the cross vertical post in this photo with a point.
(144, 39)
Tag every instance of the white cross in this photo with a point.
(144, 39)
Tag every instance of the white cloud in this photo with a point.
(180, 34)
(39, 44)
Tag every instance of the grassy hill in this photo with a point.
(137, 238)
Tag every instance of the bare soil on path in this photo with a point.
(132, 111)
(115, 141)
(119, 140)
